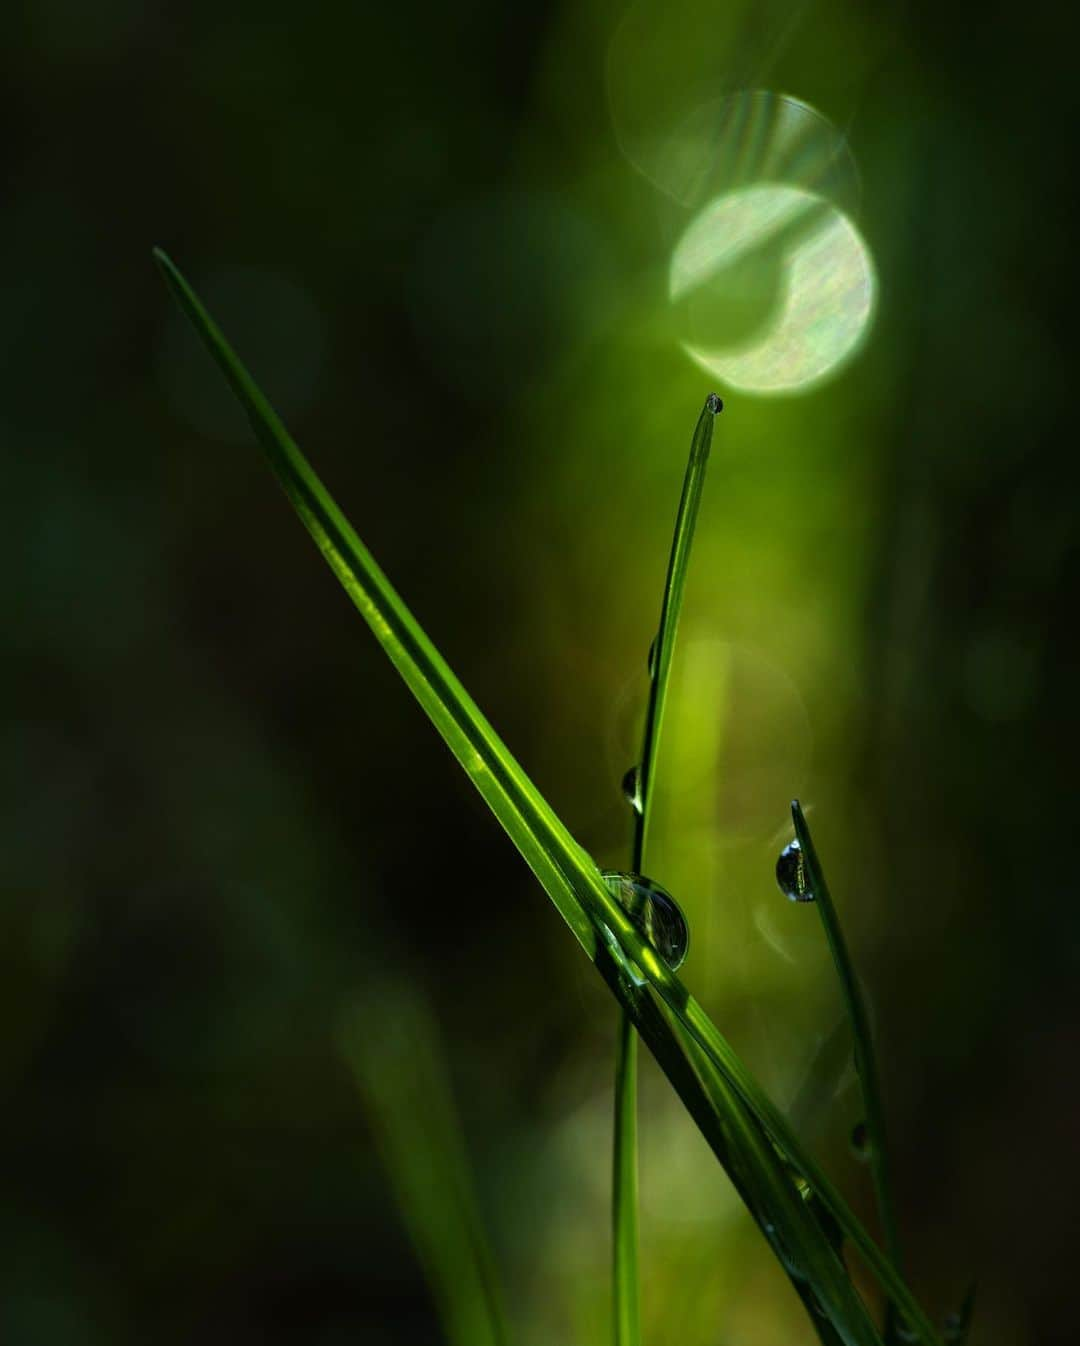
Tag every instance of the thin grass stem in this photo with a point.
(863, 1040)
(626, 1275)
(626, 1282)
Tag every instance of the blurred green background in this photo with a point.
(442, 237)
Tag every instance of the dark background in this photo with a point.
(222, 812)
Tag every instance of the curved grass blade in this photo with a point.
(624, 1178)
(567, 873)
(391, 1042)
(862, 1037)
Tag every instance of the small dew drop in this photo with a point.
(791, 874)
(904, 1331)
(631, 788)
(860, 1141)
(714, 403)
(781, 1249)
(654, 912)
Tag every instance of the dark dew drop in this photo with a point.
(860, 1141)
(715, 403)
(904, 1331)
(654, 912)
(631, 788)
(791, 874)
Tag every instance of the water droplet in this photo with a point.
(860, 1141)
(631, 788)
(790, 1265)
(791, 874)
(655, 913)
(905, 1331)
(652, 657)
(715, 403)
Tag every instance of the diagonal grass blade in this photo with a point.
(576, 887)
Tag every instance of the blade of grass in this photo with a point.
(567, 873)
(663, 650)
(863, 1040)
(626, 1275)
(624, 1216)
(391, 1041)
(751, 1162)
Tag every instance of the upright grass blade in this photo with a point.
(391, 1041)
(676, 1028)
(862, 1037)
(663, 649)
(626, 1275)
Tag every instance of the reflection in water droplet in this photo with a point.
(631, 788)
(791, 874)
(860, 1141)
(654, 912)
(773, 286)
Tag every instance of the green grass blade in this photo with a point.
(563, 868)
(626, 1275)
(663, 650)
(862, 1037)
(624, 1216)
(762, 1108)
(568, 874)
(754, 1166)
(391, 1042)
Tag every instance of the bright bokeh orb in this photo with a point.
(774, 288)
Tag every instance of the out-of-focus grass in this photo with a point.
(392, 1042)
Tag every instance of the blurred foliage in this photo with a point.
(433, 233)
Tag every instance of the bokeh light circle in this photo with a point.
(774, 288)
